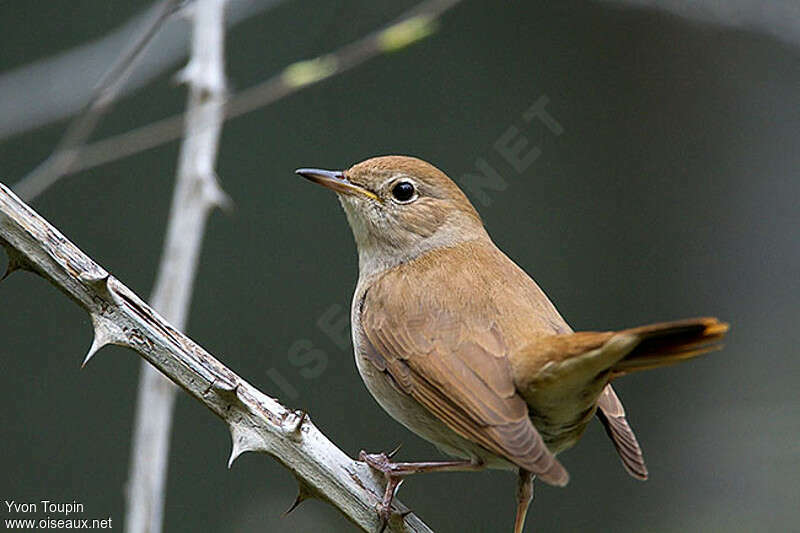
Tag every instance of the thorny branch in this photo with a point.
(256, 421)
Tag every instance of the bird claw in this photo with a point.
(383, 464)
(395, 473)
(385, 514)
(377, 461)
(384, 507)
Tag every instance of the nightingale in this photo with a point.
(462, 347)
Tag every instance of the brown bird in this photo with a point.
(462, 347)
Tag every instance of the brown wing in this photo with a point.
(612, 415)
(457, 370)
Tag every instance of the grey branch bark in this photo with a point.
(256, 421)
(196, 194)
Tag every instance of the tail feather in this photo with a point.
(562, 377)
(659, 345)
(667, 343)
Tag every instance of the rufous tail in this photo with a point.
(565, 375)
(667, 343)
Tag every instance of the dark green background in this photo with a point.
(673, 192)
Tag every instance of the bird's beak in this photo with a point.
(336, 181)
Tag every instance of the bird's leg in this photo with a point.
(524, 497)
(395, 473)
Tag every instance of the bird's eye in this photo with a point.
(403, 191)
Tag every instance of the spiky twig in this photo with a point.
(196, 194)
(256, 421)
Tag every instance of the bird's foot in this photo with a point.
(382, 462)
(396, 472)
(524, 497)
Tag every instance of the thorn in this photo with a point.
(236, 451)
(242, 442)
(181, 77)
(296, 425)
(15, 262)
(198, 76)
(297, 501)
(303, 494)
(392, 453)
(224, 388)
(99, 281)
(93, 349)
(101, 338)
(217, 197)
(9, 269)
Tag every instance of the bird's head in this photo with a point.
(399, 207)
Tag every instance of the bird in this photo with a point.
(461, 346)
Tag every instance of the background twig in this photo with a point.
(196, 194)
(414, 24)
(27, 96)
(52, 168)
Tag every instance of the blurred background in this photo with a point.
(671, 192)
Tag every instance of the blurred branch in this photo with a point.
(52, 168)
(59, 86)
(777, 18)
(256, 421)
(415, 24)
(197, 193)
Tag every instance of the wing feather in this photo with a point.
(612, 415)
(460, 373)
